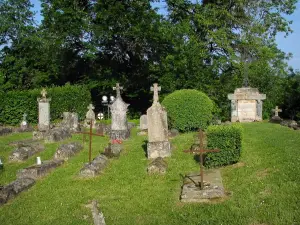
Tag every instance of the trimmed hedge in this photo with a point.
(188, 109)
(226, 138)
(71, 98)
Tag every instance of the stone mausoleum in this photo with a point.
(246, 104)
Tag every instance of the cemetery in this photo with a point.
(148, 112)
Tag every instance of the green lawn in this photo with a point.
(264, 187)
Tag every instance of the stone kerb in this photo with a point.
(24, 151)
(66, 151)
(95, 167)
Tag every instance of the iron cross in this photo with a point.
(200, 152)
(155, 90)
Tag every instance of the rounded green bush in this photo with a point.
(188, 109)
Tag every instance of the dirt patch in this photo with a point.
(265, 192)
(238, 165)
(263, 173)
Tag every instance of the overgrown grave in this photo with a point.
(204, 185)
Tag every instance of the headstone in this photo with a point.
(119, 125)
(24, 124)
(276, 118)
(143, 122)
(54, 135)
(158, 144)
(44, 111)
(95, 167)
(70, 120)
(66, 151)
(246, 105)
(113, 150)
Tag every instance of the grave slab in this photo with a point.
(95, 167)
(213, 187)
(24, 151)
(66, 151)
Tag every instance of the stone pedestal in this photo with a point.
(44, 114)
(246, 105)
(119, 134)
(158, 149)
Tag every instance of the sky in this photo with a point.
(289, 44)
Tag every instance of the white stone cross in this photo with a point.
(155, 90)
(90, 107)
(276, 110)
(118, 89)
(24, 116)
(43, 93)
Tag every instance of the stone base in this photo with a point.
(53, 135)
(94, 168)
(275, 119)
(11, 190)
(119, 134)
(142, 133)
(37, 171)
(113, 150)
(213, 187)
(157, 166)
(158, 149)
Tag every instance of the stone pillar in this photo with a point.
(44, 112)
(158, 143)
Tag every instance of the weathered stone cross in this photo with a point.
(276, 110)
(200, 152)
(43, 93)
(24, 116)
(155, 90)
(90, 107)
(118, 89)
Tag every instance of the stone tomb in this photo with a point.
(246, 104)
(44, 111)
(119, 125)
(25, 150)
(158, 143)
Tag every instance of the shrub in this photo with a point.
(71, 98)
(188, 109)
(226, 138)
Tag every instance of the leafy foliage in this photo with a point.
(66, 98)
(226, 138)
(188, 109)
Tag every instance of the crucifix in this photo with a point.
(276, 111)
(155, 90)
(118, 89)
(43, 93)
(91, 134)
(200, 152)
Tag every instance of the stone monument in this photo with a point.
(143, 122)
(246, 104)
(24, 124)
(118, 109)
(90, 116)
(44, 111)
(158, 143)
(276, 118)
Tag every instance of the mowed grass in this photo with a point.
(264, 187)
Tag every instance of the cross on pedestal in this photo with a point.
(91, 134)
(276, 110)
(155, 90)
(90, 107)
(43, 93)
(118, 89)
(200, 152)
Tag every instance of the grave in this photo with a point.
(276, 118)
(113, 150)
(38, 171)
(246, 105)
(24, 151)
(53, 135)
(11, 190)
(70, 121)
(44, 111)
(5, 130)
(118, 109)
(143, 123)
(158, 144)
(90, 116)
(66, 151)
(157, 166)
(24, 126)
(93, 168)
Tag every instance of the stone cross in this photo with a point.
(43, 93)
(24, 116)
(118, 89)
(155, 89)
(276, 110)
(201, 151)
(90, 107)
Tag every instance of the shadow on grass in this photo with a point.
(144, 146)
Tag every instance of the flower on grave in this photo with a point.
(116, 141)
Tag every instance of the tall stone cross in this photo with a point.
(43, 93)
(24, 116)
(155, 89)
(276, 110)
(201, 151)
(118, 89)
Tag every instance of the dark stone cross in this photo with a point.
(200, 152)
(118, 89)
(91, 134)
(155, 90)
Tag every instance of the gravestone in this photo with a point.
(276, 118)
(143, 122)
(246, 104)
(90, 116)
(24, 124)
(70, 120)
(158, 144)
(44, 111)
(119, 125)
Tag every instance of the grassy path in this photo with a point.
(265, 186)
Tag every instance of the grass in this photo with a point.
(264, 186)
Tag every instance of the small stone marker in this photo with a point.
(276, 111)
(24, 124)
(276, 118)
(118, 109)
(38, 161)
(143, 122)
(158, 143)
(44, 111)
(90, 116)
